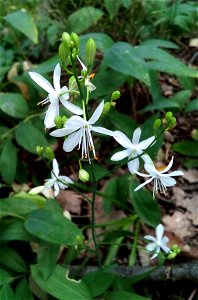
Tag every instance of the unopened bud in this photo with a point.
(64, 119)
(75, 39)
(172, 255)
(63, 53)
(168, 116)
(66, 39)
(49, 153)
(172, 122)
(39, 150)
(115, 95)
(83, 175)
(90, 51)
(157, 124)
(74, 53)
(58, 121)
(106, 108)
(72, 83)
(36, 190)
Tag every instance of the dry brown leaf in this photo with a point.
(70, 201)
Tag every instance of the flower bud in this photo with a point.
(172, 255)
(64, 119)
(36, 190)
(157, 124)
(66, 39)
(172, 122)
(168, 116)
(75, 39)
(83, 175)
(39, 150)
(74, 53)
(106, 108)
(63, 53)
(115, 95)
(58, 121)
(49, 153)
(72, 83)
(90, 51)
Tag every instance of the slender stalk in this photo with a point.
(132, 256)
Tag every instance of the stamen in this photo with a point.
(92, 75)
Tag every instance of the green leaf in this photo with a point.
(98, 282)
(12, 259)
(23, 291)
(17, 205)
(192, 106)
(83, 18)
(118, 295)
(5, 277)
(126, 124)
(181, 97)
(29, 137)
(110, 191)
(161, 105)
(47, 258)
(60, 286)
(15, 231)
(123, 58)
(189, 148)
(146, 207)
(46, 66)
(159, 43)
(103, 41)
(23, 22)
(49, 227)
(112, 6)
(14, 105)
(99, 171)
(8, 161)
(6, 293)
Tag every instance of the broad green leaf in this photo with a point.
(5, 277)
(53, 205)
(110, 190)
(99, 171)
(14, 105)
(47, 258)
(53, 227)
(83, 18)
(125, 123)
(17, 205)
(15, 231)
(181, 97)
(12, 259)
(8, 161)
(39, 200)
(30, 137)
(127, 3)
(112, 6)
(146, 207)
(161, 105)
(98, 282)
(6, 293)
(123, 58)
(189, 148)
(23, 290)
(190, 163)
(118, 295)
(23, 22)
(103, 41)
(155, 89)
(60, 286)
(159, 43)
(46, 66)
(162, 61)
(192, 106)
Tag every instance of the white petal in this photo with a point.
(164, 240)
(167, 181)
(144, 144)
(142, 174)
(65, 96)
(61, 132)
(121, 155)
(42, 82)
(159, 232)
(149, 167)
(97, 113)
(71, 107)
(55, 167)
(136, 135)
(165, 248)
(50, 182)
(91, 87)
(75, 122)
(151, 247)
(36, 190)
(122, 139)
(52, 112)
(133, 165)
(150, 238)
(56, 77)
(168, 167)
(176, 173)
(56, 189)
(72, 141)
(156, 253)
(82, 65)
(101, 130)
(143, 184)
(64, 181)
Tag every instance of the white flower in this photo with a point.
(90, 86)
(161, 180)
(133, 148)
(56, 93)
(57, 181)
(79, 132)
(157, 243)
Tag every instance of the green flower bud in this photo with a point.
(106, 108)
(115, 95)
(157, 124)
(39, 150)
(172, 122)
(168, 116)
(90, 52)
(72, 83)
(63, 53)
(58, 121)
(75, 39)
(64, 119)
(83, 175)
(74, 53)
(49, 153)
(172, 255)
(66, 39)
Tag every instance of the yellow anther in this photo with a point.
(91, 76)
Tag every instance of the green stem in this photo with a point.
(132, 257)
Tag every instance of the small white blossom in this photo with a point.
(161, 180)
(157, 243)
(90, 86)
(56, 93)
(79, 132)
(133, 148)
